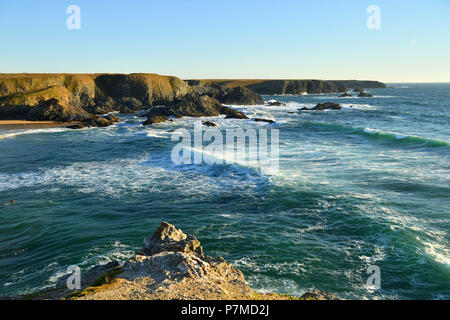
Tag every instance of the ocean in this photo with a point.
(364, 186)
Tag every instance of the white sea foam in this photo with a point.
(9, 134)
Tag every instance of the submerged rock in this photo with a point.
(209, 124)
(345, 94)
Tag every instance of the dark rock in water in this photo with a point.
(209, 124)
(203, 106)
(358, 90)
(365, 95)
(304, 109)
(155, 119)
(242, 96)
(233, 114)
(264, 120)
(273, 103)
(104, 121)
(345, 94)
(326, 106)
(55, 110)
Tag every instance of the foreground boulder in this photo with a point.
(170, 265)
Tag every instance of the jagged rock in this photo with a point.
(264, 120)
(345, 94)
(130, 103)
(103, 121)
(155, 119)
(358, 90)
(169, 238)
(203, 106)
(171, 265)
(327, 105)
(233, 113)
(55, 110)
(242, 96)
(209, 124)
(365, 95)
(274, 103)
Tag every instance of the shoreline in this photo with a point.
(23, 124)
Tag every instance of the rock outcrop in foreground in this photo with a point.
(170, 265)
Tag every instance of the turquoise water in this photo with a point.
(367, 185)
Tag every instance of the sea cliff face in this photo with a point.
(83, 97)
(19, 93)
(272, 87)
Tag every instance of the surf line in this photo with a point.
(243, 147)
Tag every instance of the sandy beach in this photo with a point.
(21, 124)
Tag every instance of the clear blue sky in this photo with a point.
(324, 39)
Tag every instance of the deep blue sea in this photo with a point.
(365, 185)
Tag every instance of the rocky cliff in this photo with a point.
(170, 265)
(19, 93)
(271, 87)
(83, 97)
